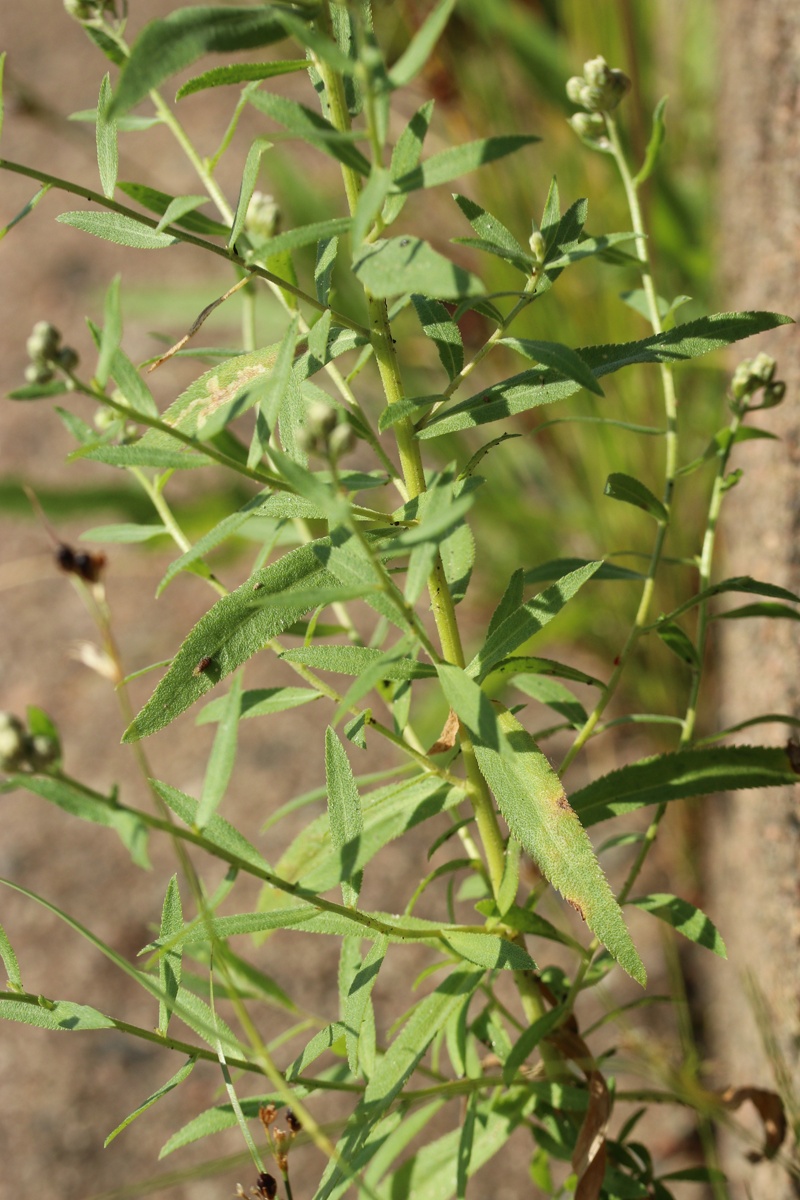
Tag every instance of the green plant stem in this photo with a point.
(671, 451)
(85, 193)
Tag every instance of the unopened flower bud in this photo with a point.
(267, 1186)
(341, 441)
(576, 89)
(263, 217)
(600, 88)
(773, 394)
(67, 358)
(12, 742)
(86, 10)
(42, 751)
(763, 367)
(538, 247)
(589, 126)
(43, 342)
(104, 418)
(38, 372)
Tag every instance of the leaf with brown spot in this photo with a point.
(447, 738)
(769, 1107)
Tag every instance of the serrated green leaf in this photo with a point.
(89, 807)
(166, 46)
(528, 619)
(260, 702)
(344, 814)
(106, 130)
(113, 227)
(531, 389)
(563, 359)
(438, 325)
(420, 48)
(353, 660)
(123, 533)
(406, 156)
(460, 160)
(176, 1079)
(142, 455)
(222, 757)
(689, 920)
(533, 802)
(632, 491)
(233, 630)
(398, 265)
(680, 775)
(312, 128)
(654, 144)
(239, 73)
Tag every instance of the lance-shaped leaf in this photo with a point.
(115, 227)
(169, 965)
(354, 660)
(408, 264)
(439, 326)
(312, 128)
(563, 359)
(57, 1015)
(530, 389)
(523, 622)
(222, 757)
(406, 155)
(459, 160)
(344, 814)
(357, 998)
(230, 633)
(106, 130)
(493, 235)
(166, 46)
(632, 491)
(689, 920)
(160, 202)
(419, 49)
(239, 73)
(7, 954)
(176, 1079)
(532, 800)
(678, 776)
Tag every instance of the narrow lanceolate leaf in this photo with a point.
(438, 325)
(526, 620)
(370, 203)
(459, 160)
(252, 166)
(633, 491)
(692, 922)
(677, 776)
(69, 797)
(654, 144)
(406, 156)
(6, 949)
(493, 233)
(112, 332)
(159, 202)
(353, 660)
(397, 1064)
(408, 264)
(419, 49)
(737, 583)
(344, 813)
(260, 702)
(357, 998)
(218, 831)
(222, 757)
(176, 1079)
(123, 533)
(311, 127)
(532, 800)
(239, 73)
(303, 235)
(168, 45)
(106, 128)
(54, 1014)
(271, 391)
(561, 358)
(113, 227)
(489, 951)
(233, 630)
(530, 389)
(169, 964)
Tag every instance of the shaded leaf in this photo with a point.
(394, 266)
(419, 49)
(632, 491)
(438, 325)
(685, 917)
(239, 73)
(259, 702)
(169, 964)
(460, 160)
(344, 814)
(312, 128)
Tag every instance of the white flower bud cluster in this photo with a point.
(600, 88)
(46, 354)
(24, 751)
(754, 374)
(263, 218)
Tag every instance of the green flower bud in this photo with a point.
(773, 394)
(104, 418)
(752, 374)
(43, 342)
(576, 89)
(87, 10)
(600, 88)
(38, 372)
(763, 367)
(263, 217)
(322, 419)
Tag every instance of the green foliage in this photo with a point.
(364, 566)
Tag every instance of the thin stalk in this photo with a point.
(671, 450)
